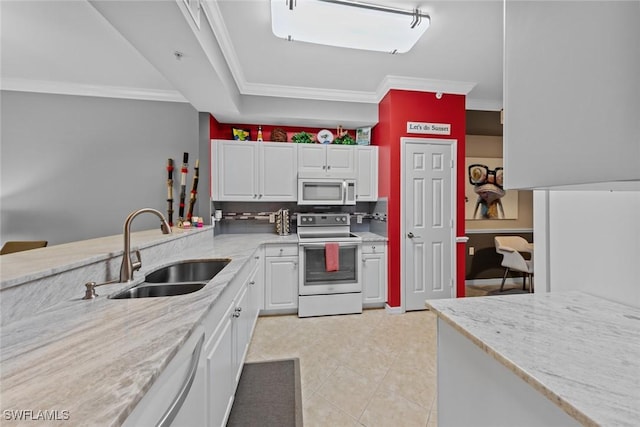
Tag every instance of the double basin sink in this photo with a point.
(181, 278)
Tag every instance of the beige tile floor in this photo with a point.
(372, 369)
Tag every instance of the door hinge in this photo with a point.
(450, 222)
(452, 164)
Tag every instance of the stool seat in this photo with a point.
(22, 245)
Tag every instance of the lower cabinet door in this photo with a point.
(241, 329)
(281, 288)
(220, 372)
(374, 278)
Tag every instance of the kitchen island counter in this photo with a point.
(579, 351)
(95, 359)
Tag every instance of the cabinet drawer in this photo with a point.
(374, 248)
(281, 250)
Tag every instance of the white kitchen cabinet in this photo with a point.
(241, 326)
(227, 350)
(252, 171)
(367, 173)
(326, 161)
(220, 371)
(281, 277)
(256, 284)
(374, 274)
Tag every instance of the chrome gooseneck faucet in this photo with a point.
(127, 268)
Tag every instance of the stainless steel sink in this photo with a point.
(159, 290)
(188, 271)
(181, 278)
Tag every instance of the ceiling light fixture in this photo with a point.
(347, 23)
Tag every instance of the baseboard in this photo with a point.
(393, 310)
(488, 282)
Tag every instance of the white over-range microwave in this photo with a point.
(326, 191)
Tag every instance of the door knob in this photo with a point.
(411, 235)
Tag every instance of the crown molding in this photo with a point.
(67, 88)
(422, 85)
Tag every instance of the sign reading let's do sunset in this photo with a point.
(429, 128)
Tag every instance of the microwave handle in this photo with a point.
(344, 191)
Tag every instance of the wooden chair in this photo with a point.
(19, 246)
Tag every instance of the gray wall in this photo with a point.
(73, 167)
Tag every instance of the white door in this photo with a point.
(428, 228)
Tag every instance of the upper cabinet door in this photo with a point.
(367, 176)
(254, 172)
(341, 161)
(312, 159)
(235, 171)
(571, 93)
(324, 160)
(279, 172)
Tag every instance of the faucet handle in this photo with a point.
(137, 264)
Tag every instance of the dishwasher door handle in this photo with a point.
(175, 406)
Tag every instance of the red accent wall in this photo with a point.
(394, 111)
(224, 130)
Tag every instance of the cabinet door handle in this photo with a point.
(253, 282)
(324, 167)
(175, 406)
(329, 167)
(238, 309)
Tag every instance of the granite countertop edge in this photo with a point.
(457, 314)
(517, 370)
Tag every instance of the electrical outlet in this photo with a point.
(472, 250)
(359, 219)
(272, 218)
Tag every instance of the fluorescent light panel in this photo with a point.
(341, 25)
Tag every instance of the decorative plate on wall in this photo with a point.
(325, 136)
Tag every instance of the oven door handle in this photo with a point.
(322, 245)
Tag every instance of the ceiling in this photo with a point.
(231, 65)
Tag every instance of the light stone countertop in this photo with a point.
(580, 351)
(20, 267)
(367, 236)
(97, 358)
